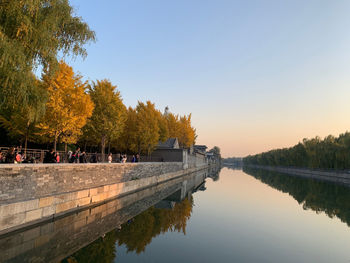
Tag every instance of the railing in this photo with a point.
(37, 156)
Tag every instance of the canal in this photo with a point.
(244, 215)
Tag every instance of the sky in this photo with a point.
(256, 75)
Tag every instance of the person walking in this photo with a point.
(82, 158)
(18, 158)
(50, 157)
(93, 158)
(57, 157)
(133, 160)
(110, 158)
(10, 155)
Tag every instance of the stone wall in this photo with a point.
(33, 193)
(55, 240)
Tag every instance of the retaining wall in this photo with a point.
(33, 193)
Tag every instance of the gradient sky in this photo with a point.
(255, 75)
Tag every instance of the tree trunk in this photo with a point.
(65, 152)
(103, 146)
(55, 143)
(26, 142)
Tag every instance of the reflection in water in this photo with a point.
(137, 233)
(318, 196)
(126, 220)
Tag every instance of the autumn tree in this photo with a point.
(163, 127)
(173, 124)
(147, 133)
(32, 34)
(108, 118)
(68, 106)
(128, 138)
(187, 134)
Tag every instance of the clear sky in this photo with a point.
(255, 75)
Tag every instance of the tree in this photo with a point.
(187, 134)
(173, 125)
(163, 127)
(128, 138)
(147, 134)
(32, 33)
(20, 120)
(68, 106)
(108, 118)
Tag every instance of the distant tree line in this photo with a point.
(332, 199)
(328, 153)
(238, 161)
(59, 108)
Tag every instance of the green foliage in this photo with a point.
(31, 35)
(108, 118)
(20, 120)
(329, 153)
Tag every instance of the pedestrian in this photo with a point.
(120, 158)
(10, 155)
(50, 157)
(137, 158)
(76, 155)
(93, 158)
(18, 157)
(124, 158)
(82, 158)
(57, 157)
(110, 158)
(133, 160)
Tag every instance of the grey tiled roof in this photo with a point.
(168, 144)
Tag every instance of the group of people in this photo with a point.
(80, 157)
(52, 157)
(122, 158)
(14, 155)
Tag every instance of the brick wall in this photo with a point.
(32, 193)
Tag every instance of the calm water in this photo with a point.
(237, 216)
(251, 216)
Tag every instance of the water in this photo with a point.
(237, 216)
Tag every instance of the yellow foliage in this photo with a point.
(68, 106)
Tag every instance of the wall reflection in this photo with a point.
(132, 220)
(137, 233)
(319, 196)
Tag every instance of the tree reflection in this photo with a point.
(137, 233)
(319, 196)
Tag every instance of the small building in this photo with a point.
(168, 151)
(200, 148)
(171, 143)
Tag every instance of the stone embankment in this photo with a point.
(30, 194)
(339, 177)
(57, 239)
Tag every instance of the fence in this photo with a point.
(37, 156)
